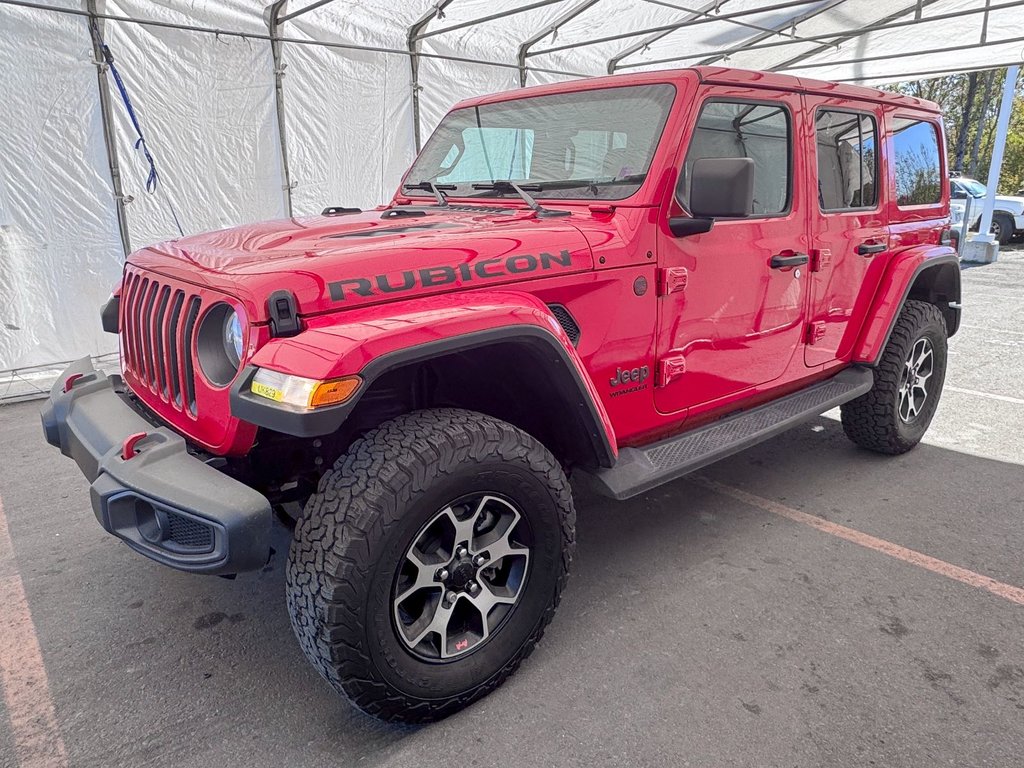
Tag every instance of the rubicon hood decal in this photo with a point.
(482, 269)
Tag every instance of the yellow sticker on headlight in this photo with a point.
(266, 391)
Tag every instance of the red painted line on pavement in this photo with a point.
(929, 563)
(26, 689)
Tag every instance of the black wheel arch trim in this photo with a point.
(565, 376)
(952, 314)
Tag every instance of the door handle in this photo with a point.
(794, 260)
(870, 249)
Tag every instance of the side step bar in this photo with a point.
(640, 469)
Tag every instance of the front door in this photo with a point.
(732, 300)
(849, 234)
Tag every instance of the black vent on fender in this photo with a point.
(567, 321)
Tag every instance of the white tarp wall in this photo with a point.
(60, 252)
(209, 113)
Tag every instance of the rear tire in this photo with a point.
(421, 489)
(894, 415)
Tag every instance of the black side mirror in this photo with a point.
(720, 187)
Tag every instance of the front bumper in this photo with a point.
(163, 501)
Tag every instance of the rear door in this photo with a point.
(732, 301)
(849, 230)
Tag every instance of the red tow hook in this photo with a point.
(128, 450)
(69, 382)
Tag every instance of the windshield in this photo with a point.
(595, 144)
(974, 188)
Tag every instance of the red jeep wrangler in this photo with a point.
(622, 278)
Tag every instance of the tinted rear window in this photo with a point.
(847, 167)
(918, 171)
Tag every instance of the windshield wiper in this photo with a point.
(593, 184)
(429, 186)
(511, 186)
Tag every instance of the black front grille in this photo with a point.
(189, 534)
(158, 325)
(567, 321)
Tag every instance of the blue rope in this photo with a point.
(153, 178)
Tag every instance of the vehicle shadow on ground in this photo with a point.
(129, 644)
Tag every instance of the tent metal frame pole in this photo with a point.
(789, 22)
(887, 56)
(672, 27)
(827, 36)
(551, 29)
(109, 130)
(771, 31)
(930, 73)
(274, 21)
(484, 19)
(307, 9)
(916, 8)
(998, 148)
(414, 53)
(290, 40)
(613, 62)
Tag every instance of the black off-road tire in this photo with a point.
(873, 420)
(1002, 227)
(355, 531)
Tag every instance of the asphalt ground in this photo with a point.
(804, 603)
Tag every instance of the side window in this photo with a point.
(847, 160)
(918, 172)
(759, 131)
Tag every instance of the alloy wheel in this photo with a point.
(461, 577)
(913, 389)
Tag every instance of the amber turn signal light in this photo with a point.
(333, 392)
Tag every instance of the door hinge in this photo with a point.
(815, 331)
(671, 279)
(820, 258)
(670, 368)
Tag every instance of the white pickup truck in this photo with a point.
(1007, 219)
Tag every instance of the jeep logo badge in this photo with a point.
(630, 376)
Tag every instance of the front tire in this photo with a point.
(894, 415)
(1002, 227)
(429, 562)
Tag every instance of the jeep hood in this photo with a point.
(349, 260)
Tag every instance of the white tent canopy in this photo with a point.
(254, 112)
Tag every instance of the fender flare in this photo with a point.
(897, 285)
(370, 343)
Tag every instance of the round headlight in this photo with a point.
(219, 344)
(233, 338)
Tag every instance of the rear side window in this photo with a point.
(918, 172)
(847, 160)
(740, 129)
